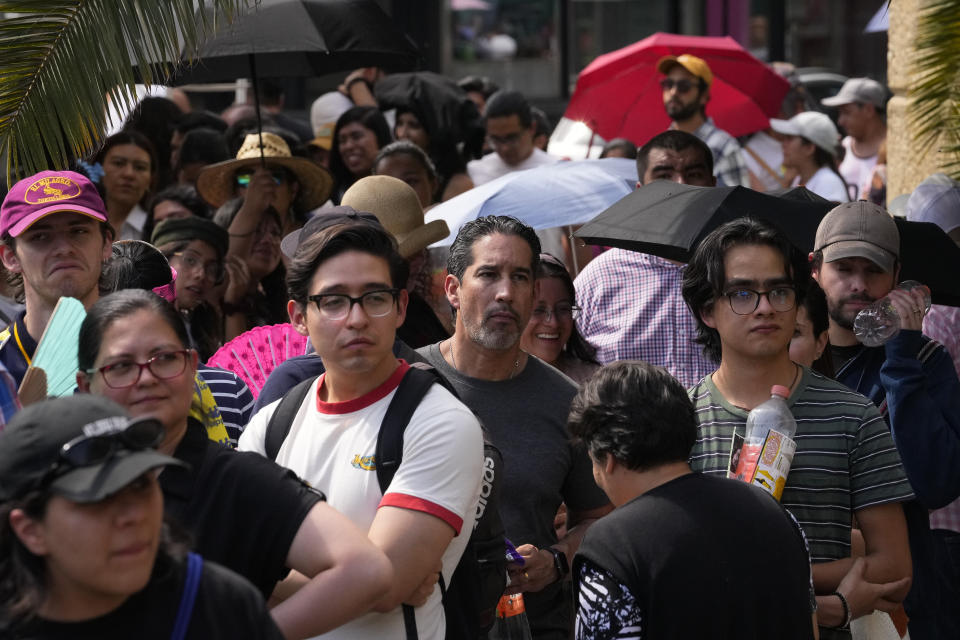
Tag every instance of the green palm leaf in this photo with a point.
(61, 59)
(935, 89)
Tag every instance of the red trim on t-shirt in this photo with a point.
(367, 399)
(419, 504)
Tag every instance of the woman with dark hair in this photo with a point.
(83, 549)
(810, 148)
(406, 161)
(240, 509)
(810, 345)
(442, 149)
(255, 293)
(177, 201)
(134, 264)
(129, 164)
(359, 135)
(551, 333)
(196, 248)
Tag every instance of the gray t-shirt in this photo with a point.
(526, 419)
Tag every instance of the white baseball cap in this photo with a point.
(816, 127)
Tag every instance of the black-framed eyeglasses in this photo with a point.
(125, 373)
(84, 451)
(337, 306)
(683, 85)
(561, 311)
(244, 177)
(745, 301)
(193, 261)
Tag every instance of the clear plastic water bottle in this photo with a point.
(511, 622)
(878, 323)
(768, 447)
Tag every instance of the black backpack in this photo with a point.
(470, 601)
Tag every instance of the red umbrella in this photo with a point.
(618, 94)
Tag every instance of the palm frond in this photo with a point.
(61, 61)
(934, 87)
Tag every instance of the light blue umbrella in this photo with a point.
(557, 195)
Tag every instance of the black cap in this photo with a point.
(31, 442)
(323, 219)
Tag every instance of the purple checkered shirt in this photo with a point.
(632, 309)
(943, 325)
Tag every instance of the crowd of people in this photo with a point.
(513, 414)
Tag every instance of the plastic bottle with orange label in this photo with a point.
(511, 622)
(768, 447)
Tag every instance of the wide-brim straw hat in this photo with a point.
(216, 183)
(398, 209)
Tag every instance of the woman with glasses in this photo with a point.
(196, 248)
(241, 510)
(84, 552)
(551, 334)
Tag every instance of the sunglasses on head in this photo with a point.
(243, 178)
(683, 85)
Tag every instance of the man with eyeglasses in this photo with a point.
(743, 286)
(55, 238)
(911, 379)
(686, 92)
(346, 287)
(523, 404)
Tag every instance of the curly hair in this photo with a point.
(635, 411)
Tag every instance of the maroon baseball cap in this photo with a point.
(49, 192)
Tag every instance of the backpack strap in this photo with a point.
(410, 392)
(282, 419)
(190, 587)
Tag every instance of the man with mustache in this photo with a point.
(911, 379)
(686, 92)
(523, 404)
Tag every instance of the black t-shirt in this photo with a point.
(841, 355)
(226, 606)
(707, 557)
(240, 509)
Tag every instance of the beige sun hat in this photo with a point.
(215, 183)
(398, 209)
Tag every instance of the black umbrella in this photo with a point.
(302, 38)
(669, 220)
(442, 106)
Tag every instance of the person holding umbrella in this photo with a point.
(686, 92)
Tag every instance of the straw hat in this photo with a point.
(215, 183)
(398, 208)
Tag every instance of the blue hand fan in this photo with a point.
(56, 352)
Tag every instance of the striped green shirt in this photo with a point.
(845, 459)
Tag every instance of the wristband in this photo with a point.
(559, 562)
(847, 614)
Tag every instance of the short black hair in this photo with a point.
(480, 84)
(705, 275)
(637, 412)
(336, 239)
(203, 145)
(542, 122)
(629, 149)
(674, 140)
(200, 119)
(461, 251)
(505, 103)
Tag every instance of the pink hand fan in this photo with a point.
(254, 354)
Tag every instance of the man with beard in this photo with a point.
(54, 239)
(910, 378)
(686, 91)
(523, 404)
